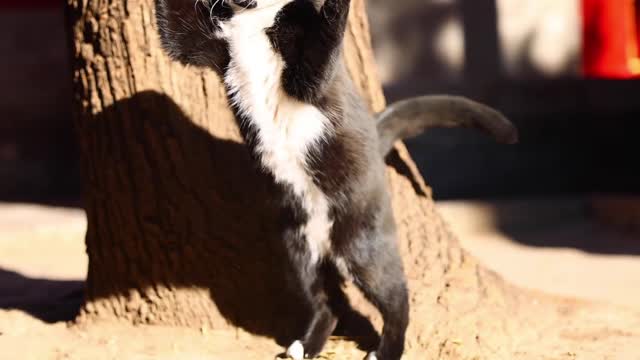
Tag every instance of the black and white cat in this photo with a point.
(308, 128)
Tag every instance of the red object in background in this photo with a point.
(30, 4)
(610, 39)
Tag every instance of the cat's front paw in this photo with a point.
(296, 351)
(371, 356)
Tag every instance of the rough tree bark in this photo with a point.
(179, 221)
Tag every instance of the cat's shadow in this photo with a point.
(207, 216)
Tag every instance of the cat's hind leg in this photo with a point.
(376, 267)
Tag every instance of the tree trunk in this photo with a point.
(179, 222)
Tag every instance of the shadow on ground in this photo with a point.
(563, 222)
(46, 299)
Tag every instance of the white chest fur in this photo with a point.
(286, 127)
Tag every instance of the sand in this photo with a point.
(42, 264)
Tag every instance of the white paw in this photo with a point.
(371, 356)
(296, 351)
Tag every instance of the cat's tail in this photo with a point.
(411, 117)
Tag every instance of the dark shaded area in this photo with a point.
(38, 152)
(591, 238)
(565, 222)
(577, 137)
(48, 300)
(40, 166)
(393, 159)
(481, 44)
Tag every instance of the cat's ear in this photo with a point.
(188, 31)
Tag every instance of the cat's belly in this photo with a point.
(286, 128)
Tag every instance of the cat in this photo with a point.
(306, 126)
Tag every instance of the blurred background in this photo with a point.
(535, 61)
(565, 199)
(524, 57)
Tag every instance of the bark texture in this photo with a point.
(179, 222)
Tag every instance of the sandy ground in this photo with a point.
(588, 261)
